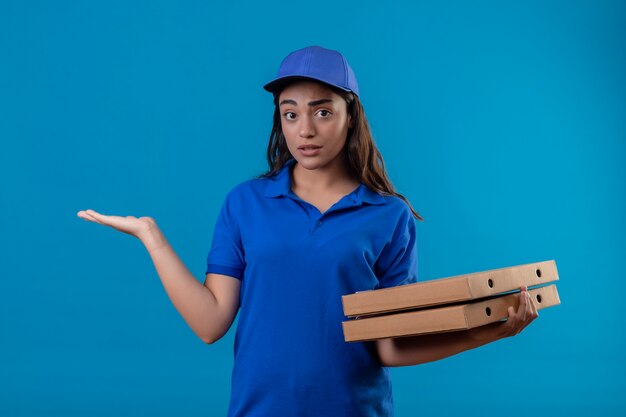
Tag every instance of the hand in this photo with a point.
(518, 320)
(138, 227)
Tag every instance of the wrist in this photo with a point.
(152, 238)
(485, 334)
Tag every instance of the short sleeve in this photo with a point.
(226, 255)
(397, 264)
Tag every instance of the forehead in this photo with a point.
(308, 90)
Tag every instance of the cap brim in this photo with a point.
(278, 84)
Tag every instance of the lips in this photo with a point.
(309, 150)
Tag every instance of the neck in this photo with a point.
(322, 179)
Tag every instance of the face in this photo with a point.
(315, 124)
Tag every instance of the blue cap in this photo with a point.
(317, 63)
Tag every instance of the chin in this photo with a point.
(310, 164)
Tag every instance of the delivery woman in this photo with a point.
(322, 222)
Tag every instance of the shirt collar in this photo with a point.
(280, 185)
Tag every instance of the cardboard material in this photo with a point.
(444, 319)
(459, 288)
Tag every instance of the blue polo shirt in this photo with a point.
(294, 264)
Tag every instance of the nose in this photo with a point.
(307, 128)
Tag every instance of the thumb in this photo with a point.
(511, 311)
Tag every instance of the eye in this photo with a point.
(289, 115)
(324, 113)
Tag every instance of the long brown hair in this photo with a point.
(362, 157)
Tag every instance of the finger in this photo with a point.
(523, 304)
(115, 222)
(83, 214)
(521, 314)
(531, 312)
(126, 224)
(510, 326)
(511, 311)
(94, 213)
(526, 312)
(533, 309)
(87, 216)
(108, 220)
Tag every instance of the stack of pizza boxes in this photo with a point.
(448, 304)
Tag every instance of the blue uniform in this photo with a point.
(294, 264)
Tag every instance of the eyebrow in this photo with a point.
(311, 103)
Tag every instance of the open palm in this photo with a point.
(130, 224)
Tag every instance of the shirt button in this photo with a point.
(319, 222)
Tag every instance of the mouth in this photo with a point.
(309, 150)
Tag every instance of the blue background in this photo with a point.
(503, 122)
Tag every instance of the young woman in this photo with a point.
(323, 222)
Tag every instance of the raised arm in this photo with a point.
(208, 309)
